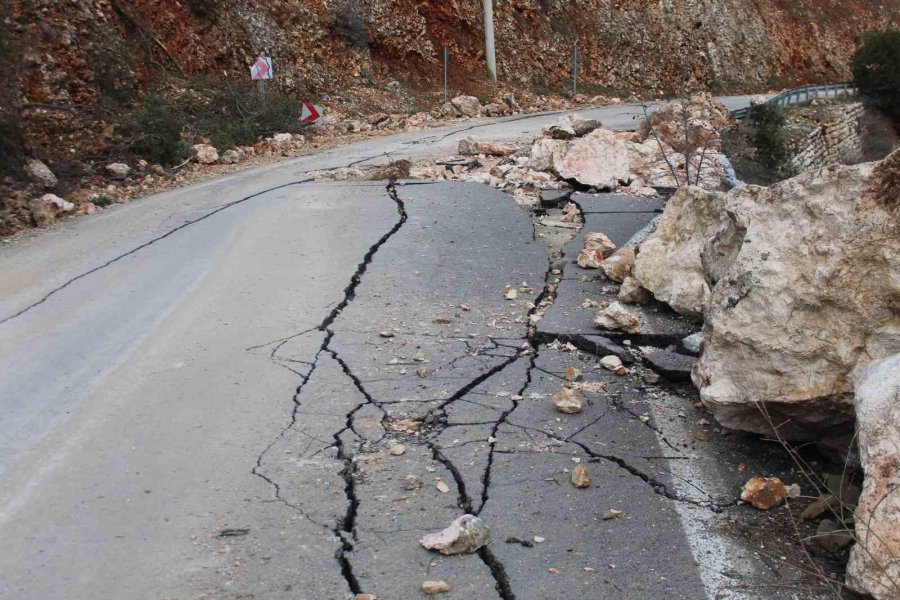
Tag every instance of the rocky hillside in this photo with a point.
(64, 57)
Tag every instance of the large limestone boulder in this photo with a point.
(47, 208)
(571, 126)
(205, 154)
(874, 567)
(807, 298)
(671, 261)
(40, 173)
(467, 106)
(547, 155)
(599, 159)
(470, 146)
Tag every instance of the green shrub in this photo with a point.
(767, 136)
(153, 131)
(113, 70)
(12, 146)
(102, 200)
(876, 69)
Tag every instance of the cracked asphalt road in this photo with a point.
(198, 399)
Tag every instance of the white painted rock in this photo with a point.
(874, 568)
(205, 154)
(38, 172)
(599, 159)
(808, 301)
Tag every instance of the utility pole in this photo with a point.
(489, 39)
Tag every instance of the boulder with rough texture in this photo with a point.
(807, 299)
(465, 535)
(764, 492)
(205, 154)
(874, 566)
(47, 208)
(618, 266)
(616, 317)
(596, 247)
(118, 170)
(632, 292)
(40, 173)
(230, 157)
(472, 147)
(571, 127)
(547, 154)
(670, 264)
(599, 159)
(568, 401)
(467, 106)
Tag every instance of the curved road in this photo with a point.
(200, 388)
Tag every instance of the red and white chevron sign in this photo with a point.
(310, 113)
(262, 69)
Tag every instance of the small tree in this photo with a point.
(876, 69)
(767, 136)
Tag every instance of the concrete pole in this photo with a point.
(489, 38)
(446, 62)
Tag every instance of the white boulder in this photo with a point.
(467, 106)
(40, 173)
(874, 567)
(599, 159)
(806, 298)
(47, 208)
(205, 154)
(118, 170)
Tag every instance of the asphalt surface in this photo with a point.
(200, 390)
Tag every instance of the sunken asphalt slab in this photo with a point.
(619, 217)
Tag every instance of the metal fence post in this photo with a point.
(446, 61)
(574, 71)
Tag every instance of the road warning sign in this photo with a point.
(310, 113)
(262, 69)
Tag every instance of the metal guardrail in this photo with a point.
(803, 95)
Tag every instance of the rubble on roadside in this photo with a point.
(465, 535)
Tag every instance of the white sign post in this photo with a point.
(260, 71)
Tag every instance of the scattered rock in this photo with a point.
(618, 266)
(764, 492)
(671, 365)
(366, 597)
(422, 372)
(612, 513)
(595, 248)
(465, 535)
(231, 156)
(467, 106)
(510, 293)
(397, 450)
(433, 588)
(613, 363)
(832, 537)
(442, 487)
(412, 483)
(580, 477)
(377, 119)
(573, 374)
(40, 173)
(46, 209)
(204, 154)
(118, 170)
(632, 292)
(616, 317)
(568, 401)
(600, 160)
(510, 100)
(873, 567)
(571, 126)
(693, 343)
(473, 147)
